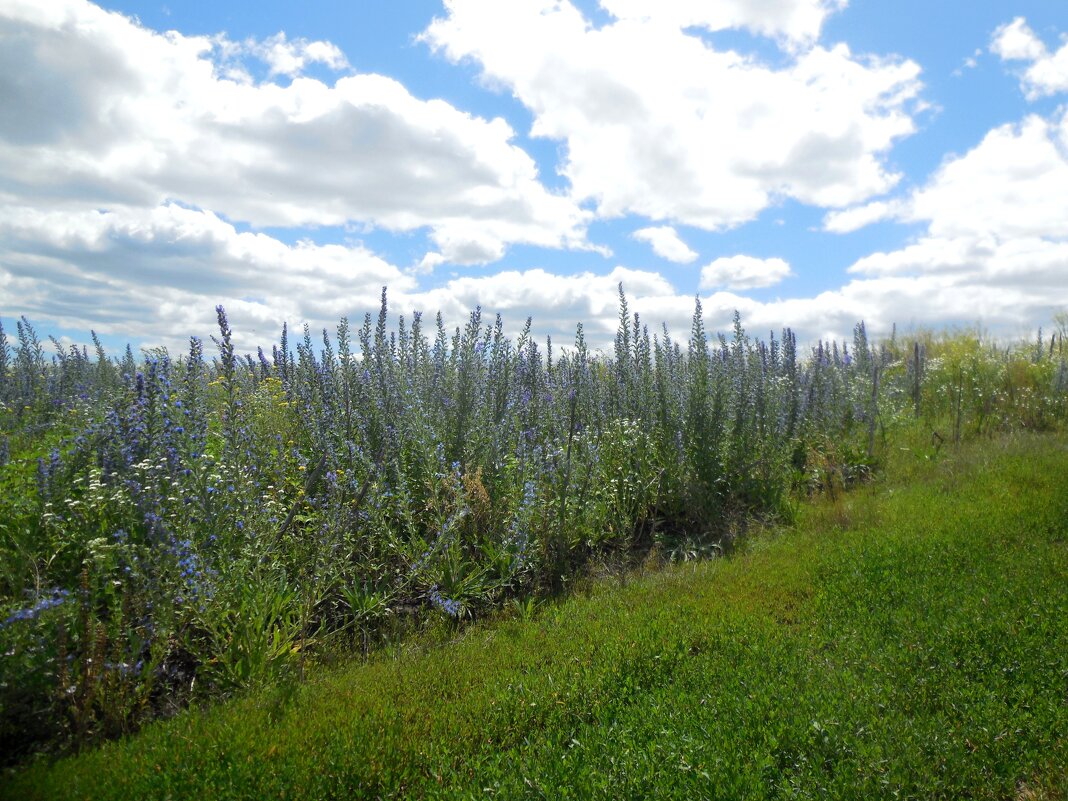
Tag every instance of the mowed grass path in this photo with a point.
(909, 642)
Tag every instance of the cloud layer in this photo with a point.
(996, 227)
(133, 164)
(103, 111)
(115, 270)
(661, 124)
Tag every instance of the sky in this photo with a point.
(808, 163)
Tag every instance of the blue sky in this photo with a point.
(807, 162)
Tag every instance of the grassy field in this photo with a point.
(908, 641)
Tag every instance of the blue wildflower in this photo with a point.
(450, 607)
(57, 597)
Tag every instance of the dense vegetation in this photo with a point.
(907, 640)
(177, 527)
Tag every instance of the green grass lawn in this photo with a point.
(910, 641)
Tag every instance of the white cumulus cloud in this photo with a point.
(996, 227)
(1016, 41)
(1012, 184)
(744, 272)
(99, 110)
(291, 57)
(857, 217)
(159, 273)
(666, 243)
(1046, 73)
(659, 123)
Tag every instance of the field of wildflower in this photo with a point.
(178, 527)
